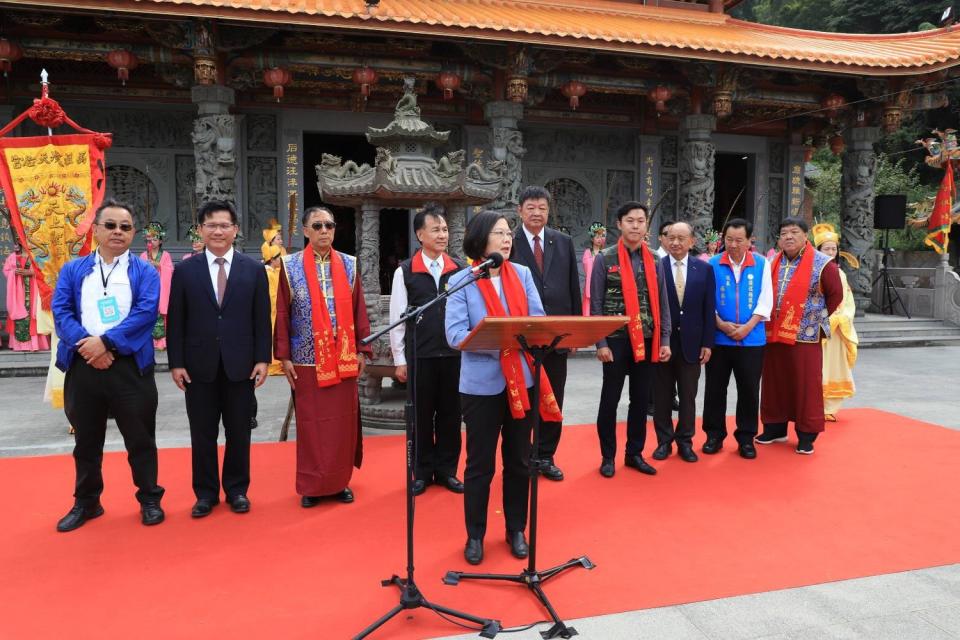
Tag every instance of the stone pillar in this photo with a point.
(368, 256)
(857, 193)
(214, 143)
(456, 223)
(506, 141)
(697, 160)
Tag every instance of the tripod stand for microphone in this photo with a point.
(889, 294)
(543, 329)
(410, 595)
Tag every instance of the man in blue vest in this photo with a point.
(744, 293)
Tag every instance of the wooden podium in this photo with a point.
(537, 336)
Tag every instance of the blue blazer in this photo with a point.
(132, 336)
(480, 372)
(693, 324)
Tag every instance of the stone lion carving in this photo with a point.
(332, 166)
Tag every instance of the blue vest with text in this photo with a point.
(737, 300)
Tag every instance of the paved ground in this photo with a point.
(921, 605)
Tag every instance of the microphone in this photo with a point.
(492, 261)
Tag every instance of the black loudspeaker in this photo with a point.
(890, 212)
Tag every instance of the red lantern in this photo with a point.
(833, 103)
(659, 95)
(837, 144)
(364, 76)
(124, 62)
(574, 90)
(10, 52)
(277, 78)
(448, 82)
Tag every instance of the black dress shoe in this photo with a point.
(310, 501)
(748, 451)
(663, 451)
(77, 516)
(712, 445)
(638, 463)
(239, 503)
(203, 507)
(518, 544)
(551, 471)
(450, 483)
(686, 453)
(607, 468)
(473, 552)
(419, 487)
(345, 496)
(151, 513)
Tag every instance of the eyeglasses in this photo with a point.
(218, 226)
(110, 225)
(501, 234)
(329, 226)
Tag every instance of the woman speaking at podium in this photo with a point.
(495, 386)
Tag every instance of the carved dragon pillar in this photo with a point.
(214, 143)
(857, 193)
(506, 141)
(697, 160)
(456, 223)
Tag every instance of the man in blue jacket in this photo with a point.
(104, 308)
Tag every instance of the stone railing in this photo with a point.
(926, 292)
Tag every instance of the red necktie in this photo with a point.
(538, 253)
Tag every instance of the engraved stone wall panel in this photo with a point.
(134, 187)
(668, 208)
(669, 152)
(261, 132)
(774, 211)
(262, 201)
(620, 189)
(778, 157)
(139, 128)
(573, 147)
(185, 177)
(572, 209)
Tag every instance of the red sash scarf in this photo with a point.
(510, 363)
(632, 302)
(785, 323)
(336, 359)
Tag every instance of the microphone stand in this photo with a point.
(410, 595)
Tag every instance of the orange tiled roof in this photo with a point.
(594, 24)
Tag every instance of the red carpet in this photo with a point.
(874, 499)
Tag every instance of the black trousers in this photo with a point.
(614, 374)
(746, 364)
(131, 398)
(487, 419)
(207, 403)
(438, 417)
(675, 373)
(555, 364)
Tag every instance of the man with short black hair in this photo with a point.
(218, 341)
(552, 259)
(105, 308)
(435, 373)
(627, 279)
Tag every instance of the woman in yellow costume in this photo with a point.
(272, 249)
(840, 349)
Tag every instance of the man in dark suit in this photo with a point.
(552, 260)
(692, 296)
(218, 345)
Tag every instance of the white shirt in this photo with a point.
(215, 268)
(661, 252)
(765, 301)
(92, 291)
(683, 268)
(542, 234)
(398, 305)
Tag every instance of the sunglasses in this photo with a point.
(110, 225)
(329, 226)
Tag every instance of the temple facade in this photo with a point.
(678, 105)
